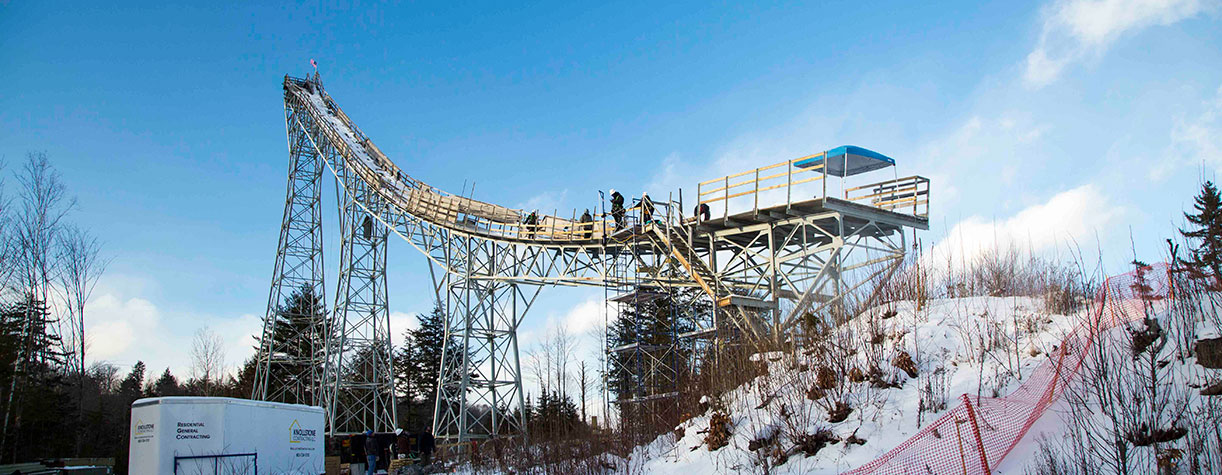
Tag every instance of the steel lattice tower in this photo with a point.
(360, 394)
(753, 274)
(292, 355)
(341, 361)
(481, 382)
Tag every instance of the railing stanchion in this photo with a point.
(788, 184)
(823, 168)
(726, 199)
(756, 193)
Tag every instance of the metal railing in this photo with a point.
(902, 195)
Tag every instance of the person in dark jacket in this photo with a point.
(647, 209)
(587, 225)
(702, 212)
(531, 222)
(371, 453)
(427, 445)
(617, 208)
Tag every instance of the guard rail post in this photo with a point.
(756, 208)
(725, 192)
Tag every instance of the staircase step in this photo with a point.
(700, 333)
(641, 295)
(743, 301)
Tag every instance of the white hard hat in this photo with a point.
(613, 191)
(398, 431)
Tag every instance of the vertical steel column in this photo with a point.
(480, 389)
(360, 370)
(291, 355)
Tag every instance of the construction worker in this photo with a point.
(427, 445)
(702, 212)
(402, 447)
(371, 453)
(617, 208)
(647, 209)
(587, 225)
(531, 222)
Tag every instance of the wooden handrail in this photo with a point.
(918, 178)
(787, 162)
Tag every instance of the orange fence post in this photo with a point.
(971, 417)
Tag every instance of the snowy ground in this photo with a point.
(945, 337)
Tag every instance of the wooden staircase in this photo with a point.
(674, 239)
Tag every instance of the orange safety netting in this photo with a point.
(978, 433)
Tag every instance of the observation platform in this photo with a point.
(800, 188)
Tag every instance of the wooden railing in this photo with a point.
(909, 195)
(753, 182)
(435, 205)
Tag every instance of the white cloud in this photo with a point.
(545, 202)
(123, 328)
(113, 324)
(401, 322)
(1070, 216)
(1076, 29)
(238, 335)
(578, 321)
(1003, 147)
(1194, 141)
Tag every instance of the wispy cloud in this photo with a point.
(1074, 30)
(1195, 140)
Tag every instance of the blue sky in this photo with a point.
(1043, 123)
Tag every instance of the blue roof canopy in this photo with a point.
(849, 160)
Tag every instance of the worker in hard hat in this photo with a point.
(587, 225)
(371, 453)
(647, 209)
(617, 208)
(531, 222)
(403, 447)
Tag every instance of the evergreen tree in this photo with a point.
(35, 380)
(299, 361)
(130, 387)
(407, 365)
(430, 342)
(243, 385)
(1207, 230)
(166, 385)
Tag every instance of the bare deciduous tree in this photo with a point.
(44, 202)
(207, 360)
(81, 266)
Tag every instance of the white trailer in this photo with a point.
(219, 435)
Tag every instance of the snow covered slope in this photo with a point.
(978, 345)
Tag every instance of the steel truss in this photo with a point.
(759, 275)
(292, 352)
(361, 395)
(811, 263)
(480, 386)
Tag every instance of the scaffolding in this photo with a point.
(776, 246)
